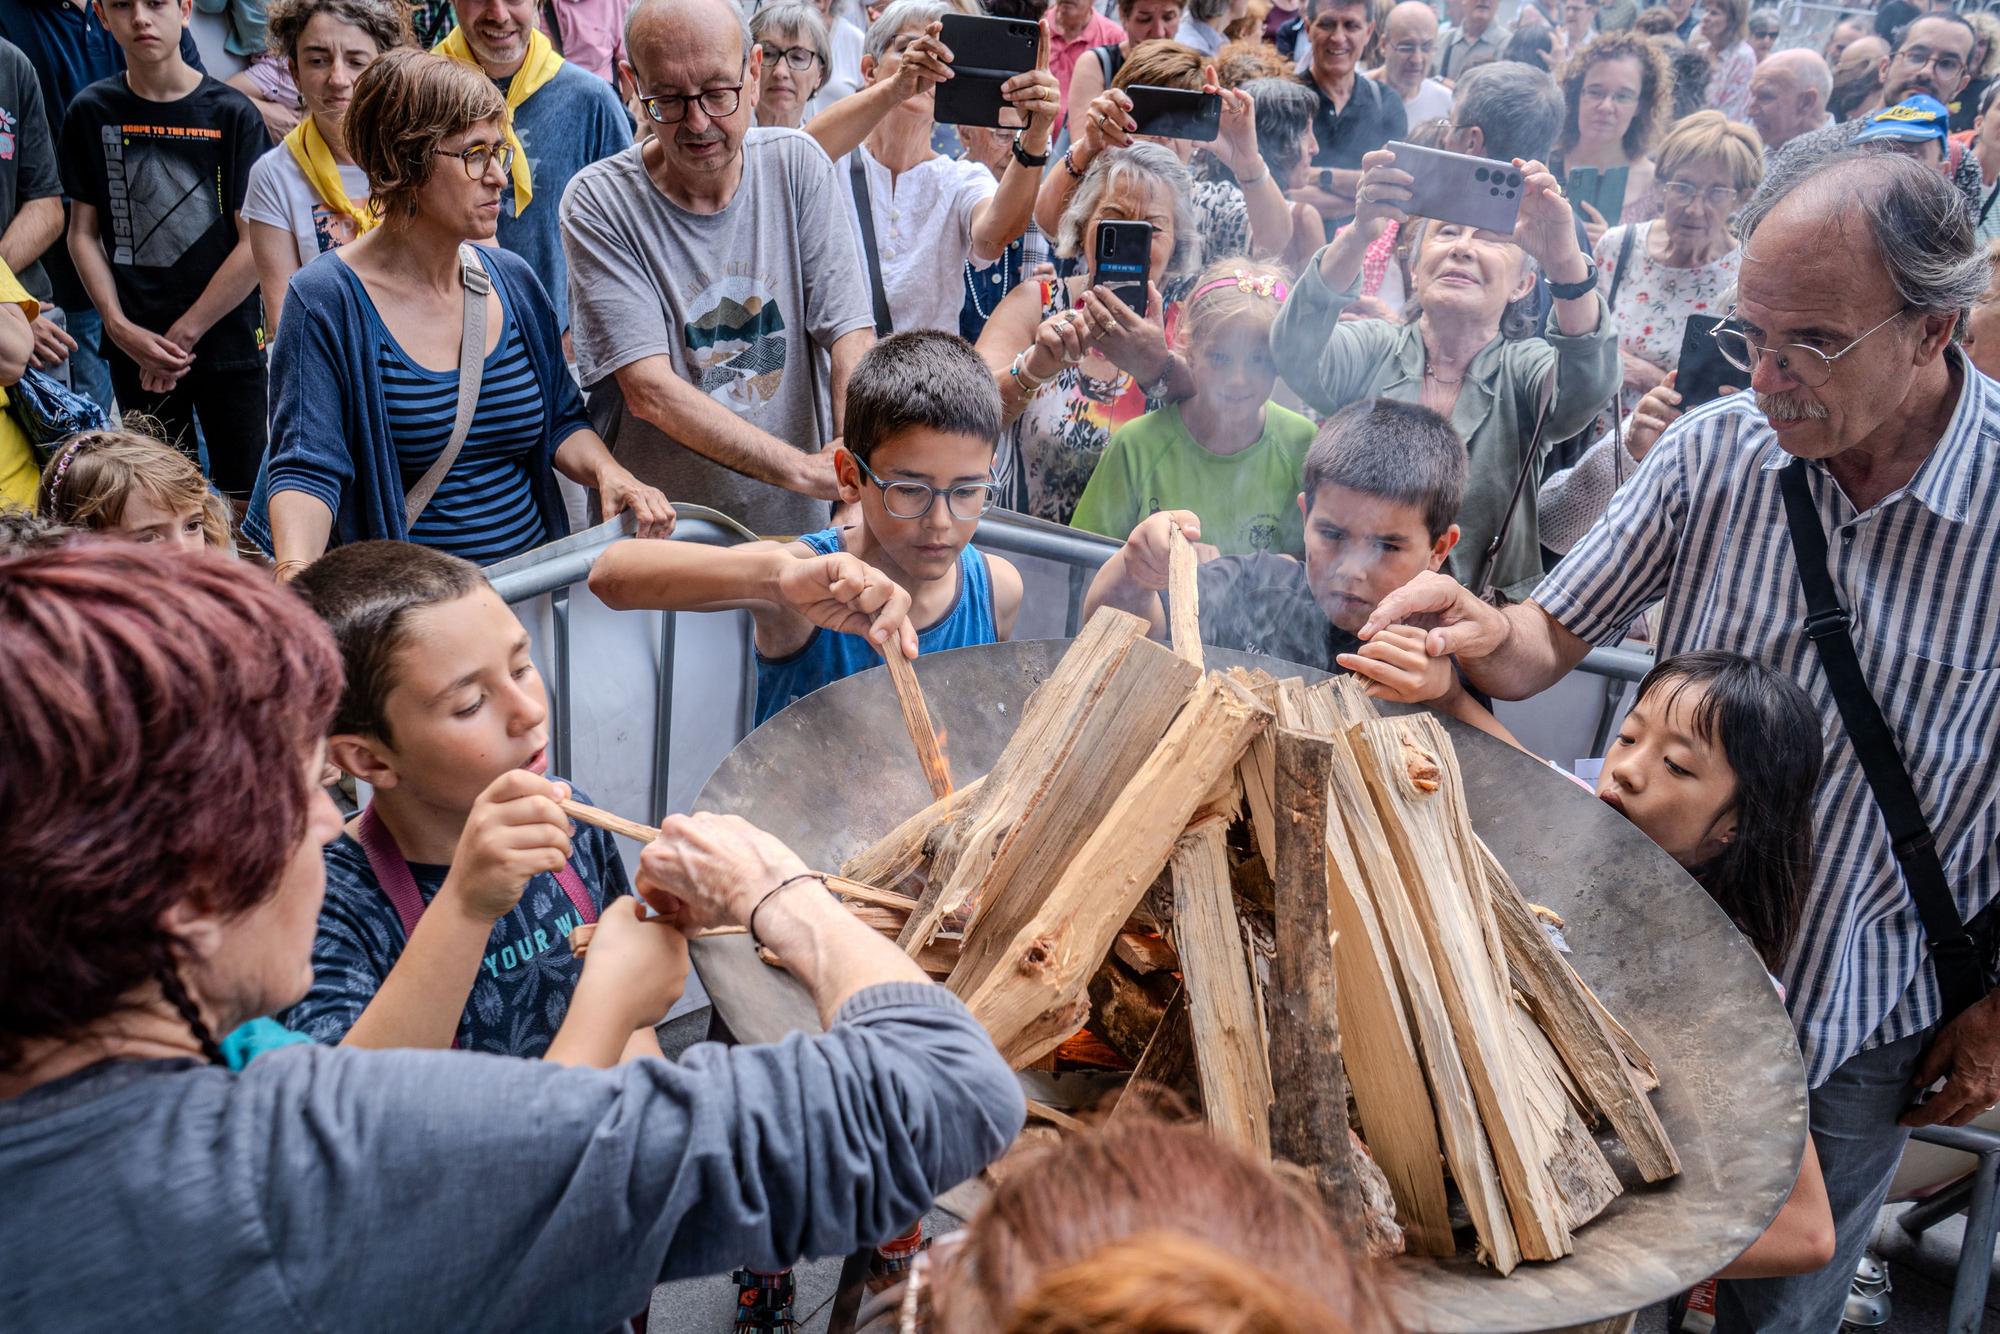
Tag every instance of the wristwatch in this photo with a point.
(1027, 159)
(1581, 287)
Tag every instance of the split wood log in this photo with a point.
(1145, 954)
(1583, 1177)
(580, 935)
(1025, 983)
(917, 718)
(1255, 774)
(1183, 597)
(906, 849)
(1641, 1064)
(1123, 1011)
(1412, 773)
(1308, 1078)
(1166, 1070)
(1466, 1147)
(1083, 734)
(1382, 1233)
(1222, 1009)
(1055, 1116)
(1586, 1047)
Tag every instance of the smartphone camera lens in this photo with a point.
(1111, 243)
(1513, 179)
(1482, 174)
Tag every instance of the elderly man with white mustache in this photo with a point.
(1867, 424)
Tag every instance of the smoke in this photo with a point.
(1782, 408)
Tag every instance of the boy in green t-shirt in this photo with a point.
(1228, 453)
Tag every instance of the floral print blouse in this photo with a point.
(1654, 301)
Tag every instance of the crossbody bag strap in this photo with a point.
(1624, 258)
(1482, 583)
(391, 868)
(1960, 975)
(471, 367)
(579, 894)
(1987, 206)
(870, 256)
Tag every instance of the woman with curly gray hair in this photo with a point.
(1073, 361)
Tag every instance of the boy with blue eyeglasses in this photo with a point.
(917, 462)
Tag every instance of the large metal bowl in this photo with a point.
(836, 770)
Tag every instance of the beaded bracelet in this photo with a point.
(1069, 163)
(1019, 370)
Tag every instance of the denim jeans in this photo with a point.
(89, 373)
(1854, 1128)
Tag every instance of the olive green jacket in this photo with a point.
(1330, 363)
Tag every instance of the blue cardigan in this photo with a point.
(330, 430)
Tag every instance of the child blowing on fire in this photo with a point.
(917, 460)
(1228, 453)
(450, 899)
(1382, 485)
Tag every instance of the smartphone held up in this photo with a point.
(1121, 252)
(985, 53)
(1456, 187)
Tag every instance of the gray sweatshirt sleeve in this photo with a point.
(418, 1190)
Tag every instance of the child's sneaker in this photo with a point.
(764, 1301)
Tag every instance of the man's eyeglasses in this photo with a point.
(1617, 97)
(1805, 365)
(800, 58)
(1718, 197)
(672, 108)
(913, 500)
(1408, 49)
(476, 158)
(1948, 64)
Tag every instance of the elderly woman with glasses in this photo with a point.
(1657, 277)
(1617, 91)
(797, 56)
(366, 373)
(1470, 355)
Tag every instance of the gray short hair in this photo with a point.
(1518, 109)
(640, 8)
(1285, 110)
(1145, 164)
(799, 20)
(1918, 220)
(900, 17)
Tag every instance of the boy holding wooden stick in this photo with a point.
(917, 461)
(1382, 484)
(450, 899)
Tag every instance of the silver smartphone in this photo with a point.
(1454, 187)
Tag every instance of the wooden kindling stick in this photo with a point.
(1183, 597)
(917, 718)
(582, 813)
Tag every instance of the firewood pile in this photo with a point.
(1269, 898)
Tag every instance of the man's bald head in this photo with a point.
(1412, 26)
(1412, 18)
(675, 22)
(1788, 95)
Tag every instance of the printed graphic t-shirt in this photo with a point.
(27, 153)
(522, 991)
(1247, 502)
(167, 180)
(741, 302)
(279, 195)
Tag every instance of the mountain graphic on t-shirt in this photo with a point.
(731, 322)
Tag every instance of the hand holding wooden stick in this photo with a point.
(1183, 597)
(917, 718)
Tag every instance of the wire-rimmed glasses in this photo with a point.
(1804, 365)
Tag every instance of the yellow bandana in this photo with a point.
(315, 159)
(538, 68)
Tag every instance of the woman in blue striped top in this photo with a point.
(365, 370)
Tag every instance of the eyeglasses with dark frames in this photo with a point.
(476, 158)
(800, 58)
(1797, 362)
(672, 108)
(913, 500)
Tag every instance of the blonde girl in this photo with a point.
(136, 486)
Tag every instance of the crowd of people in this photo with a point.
(422, 282)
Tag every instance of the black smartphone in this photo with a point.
(1176, 113)
(1703, 369)
(1124, 252)
(985, 53)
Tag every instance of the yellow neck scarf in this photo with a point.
(315, 159)
(538, 68)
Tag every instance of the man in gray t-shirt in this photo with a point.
(717, 304)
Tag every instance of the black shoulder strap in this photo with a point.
(1482, 582)
(1987, 206)
(870, 257)
(1960, 976)
(1618, 269)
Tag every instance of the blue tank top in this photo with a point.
(829, 655)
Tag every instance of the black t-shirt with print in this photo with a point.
(167, 179)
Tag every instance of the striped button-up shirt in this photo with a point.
(1700, 529)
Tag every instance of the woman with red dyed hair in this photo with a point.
(161, 734)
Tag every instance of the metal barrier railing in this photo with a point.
(552, 570)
